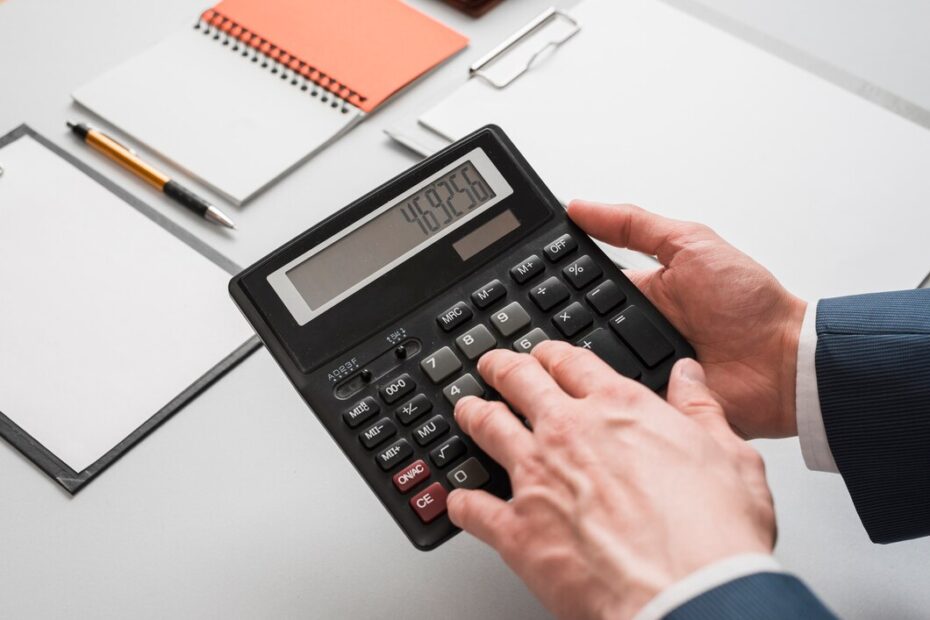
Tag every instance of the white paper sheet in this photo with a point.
(647, 104)
(104, 316)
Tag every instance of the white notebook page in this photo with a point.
(106, 317)
(215, 114)
(647, 104)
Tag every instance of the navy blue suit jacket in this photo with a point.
(873, 376)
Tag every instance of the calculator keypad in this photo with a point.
(572, 319)
(431, 430)
(488, 294)
(466, 385)
(549, 293)
(411, 410)
(642, 336)
(469, 475)
(411, 475)
(527, 269)
(397, 389)
(448, 451)
(454, 316)
(476, 341)
(528, 342)
(394, 454)
(423, 454)
(582, 272)
(605, 297)
(557, 249)
(378, 433)
(361, 411)
(441, 365)
(430, 502)
(606, 346)
(510, 319)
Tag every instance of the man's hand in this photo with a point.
(743, 324)
(617, 494)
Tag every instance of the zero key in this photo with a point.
(638, 332)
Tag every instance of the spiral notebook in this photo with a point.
(256, 87)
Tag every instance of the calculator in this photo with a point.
(378, 316)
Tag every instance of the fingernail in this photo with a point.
(689, 370)
(460, 404)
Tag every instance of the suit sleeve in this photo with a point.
(873, 378)
(762, 596)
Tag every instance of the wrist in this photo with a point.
(705, 579)
(788, 375)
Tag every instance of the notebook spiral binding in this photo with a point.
(278, 61)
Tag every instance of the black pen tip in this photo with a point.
(79, 128)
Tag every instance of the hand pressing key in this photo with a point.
(617, 494)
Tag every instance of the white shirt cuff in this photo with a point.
(813, 435)
(705, 580)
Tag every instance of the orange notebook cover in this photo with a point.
(363, 51)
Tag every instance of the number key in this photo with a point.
(396, 389)
(528, 342)
(510, 319)
(440, 365)
(462, 387)
(476, 341)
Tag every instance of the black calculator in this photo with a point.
(378, 316)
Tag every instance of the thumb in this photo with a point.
(688, 392)
(628, 226)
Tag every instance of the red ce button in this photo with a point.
(430, 502)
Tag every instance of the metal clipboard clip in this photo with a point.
(564, 27)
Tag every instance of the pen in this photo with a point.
(127, 159)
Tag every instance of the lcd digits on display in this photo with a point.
(446, 199)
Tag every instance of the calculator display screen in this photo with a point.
(416, 219)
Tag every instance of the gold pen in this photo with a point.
(127, 159)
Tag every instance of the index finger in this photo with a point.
(522, 382)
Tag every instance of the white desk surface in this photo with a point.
(241, 506)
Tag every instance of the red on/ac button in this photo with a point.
(430, 502)
(411, 475)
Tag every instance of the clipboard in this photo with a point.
(643, 102)
(167, 235)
